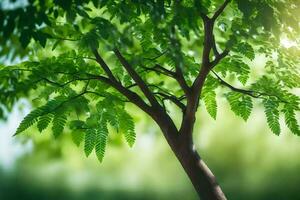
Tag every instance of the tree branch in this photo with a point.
(247, 92)
(165, 70)
(203, 16)
(169, 96)
(131, 96)
(178, 71)
(181, 81)
(254, 94)
(189, 118)
(193, 100)
(103, 65)
(55, 72)
(67, 39)
(161, 70)
(132, 85)
(178, 76)
(219, 58)
(214, 47)
(173, 99)
(61, 84)
(135, 76)
(220, 10)
(156, 57)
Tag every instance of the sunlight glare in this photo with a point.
(286, 43)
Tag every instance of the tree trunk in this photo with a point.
(200, 175)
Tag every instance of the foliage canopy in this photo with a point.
(88, 59)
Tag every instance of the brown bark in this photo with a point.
(200, 175)
(180, 141)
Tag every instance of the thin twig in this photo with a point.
(254, 94)
(173, 99)
(156, 57)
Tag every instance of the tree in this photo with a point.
(89, 59)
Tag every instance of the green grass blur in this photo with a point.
(248, 160)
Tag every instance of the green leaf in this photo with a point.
(243, 73)
(112, 118)
(90, 40)
(101, 141)
(290, 119)
(34, 115)
(155, 37)
(66, 5)
(209, 96)
(71, 15)
(25, 38)
(82, 13)
(53, 104)
(55, 44)
(245, 49)
(234, 65)
(59, 121)
(77, 124)
(44, 121)
(95, 3)
(246, 106)
(90, 141)
(272, 114)
(240, 104)
(127, 127)
(211, 103)
(41, 37)
(29, 120)
(77, 136)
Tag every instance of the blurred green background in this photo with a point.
(248, 160)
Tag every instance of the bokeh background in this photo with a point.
(248, 160)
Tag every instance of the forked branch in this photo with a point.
(135, 76)
(218, 58)
(130, 95)
(112, 81)
(209, 44)
(173, 99)
(220, 10)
